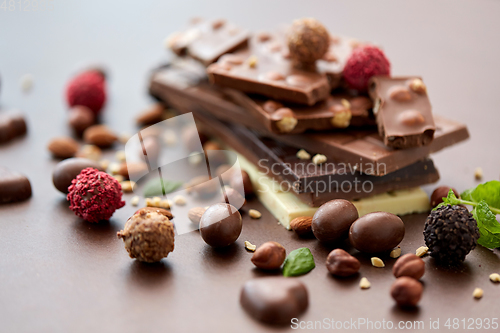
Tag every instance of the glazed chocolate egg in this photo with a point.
(376, 232)
(332, 220)
(220, 225)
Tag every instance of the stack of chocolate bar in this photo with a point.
(305, 130)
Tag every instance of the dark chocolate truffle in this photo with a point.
(220, 225)
(332, 220)
(377, 232)
(308, 40)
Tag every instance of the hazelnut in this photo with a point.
(195, 214)
(409, 265)
(440, 193)
(81, 118)
(271, 106)
(341, 263)
(269, 255)
(400, 94)
(247, 183)
(418, 86)
(302, 225)
(411, 118)
(233, 197)
(406, 291)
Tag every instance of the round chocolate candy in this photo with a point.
(377, 232)
(68, 169)
(332, 220)
(274, 300)
(220, 225)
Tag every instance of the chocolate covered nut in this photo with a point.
(269, 255)
(68, 169)
(63, 147)
(302, 225)
(274, 300)
(158, 210)
(12, 125)
(376, 232)
(341, 263)
(308, 40)
(399, 93)
(406, 291)
(332, 220)
(409, 265)
(220, 225)
(13, 186)
(81, 118)
(148, 236)
(152, 115)
(99, 135)
(440, 193)
(195, 214)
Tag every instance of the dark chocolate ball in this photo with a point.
(376, 232)
(308, 40)
(332, 220)
(220, 225)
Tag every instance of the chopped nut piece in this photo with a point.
(478, 293)
(127, 186)
(104, 164)
(135, 201)
(395, 253)
(495, 277)
(252, 61)
(319, 159)
(255, 214)
(149, 202)
(287, 124)
(26, 82)
(364, 283)
(303, 155)
(250, 247)
(195, 158)
(114, 168)
(165, 203)
(156, 201)
(377, 262)
(91, 152)
(119, 178)
(179, 200)
(345, 103)
(120, 156)
(478, 173)
(422, 251)
(341, 118)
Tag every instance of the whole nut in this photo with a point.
(195, 214)
(418, 86)
(302, 225)
(150, 116)
(400, 94)
(409, 265)
(81, 118)
(247, 182)
(341, 263)
(134, 170)
(99, 135)
(406, 291)
(411, 118)
(440, 193)
(233, 197)
(269, 255)
(63, 147)
(271, 106)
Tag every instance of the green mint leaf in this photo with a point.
(298, 262)
(154, 187)
(489, 228)
(467, 195)
(489, 192)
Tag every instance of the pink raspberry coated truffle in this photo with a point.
(94, 195)
(365, 61)
(87, 89)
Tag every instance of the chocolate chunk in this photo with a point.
(332, 221)
(254, 71)
(67, 170)
(220, 225)
(376, 232)
(403, 111)
(274, 300)
(13, 186)
(207, 40)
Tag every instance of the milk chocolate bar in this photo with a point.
(403, 111)
(314, 184)
(363, 150)
(207, 40)
(339, 110)
(264, 68)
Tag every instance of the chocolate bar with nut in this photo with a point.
(403, 111)
(265, 69)
(207, 40)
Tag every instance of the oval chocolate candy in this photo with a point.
(68, 169)
(376, 232)
(13, 186)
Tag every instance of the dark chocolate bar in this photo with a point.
(207, 40)
(264, 68)
(403, 111)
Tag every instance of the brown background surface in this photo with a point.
(60, 274)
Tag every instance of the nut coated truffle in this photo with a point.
(450, 233)
(220, 225)
(148, 236)
(365, 61)
(94, 195)
(332, 220)
(308, 40)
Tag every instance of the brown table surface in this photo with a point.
(61, 274)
